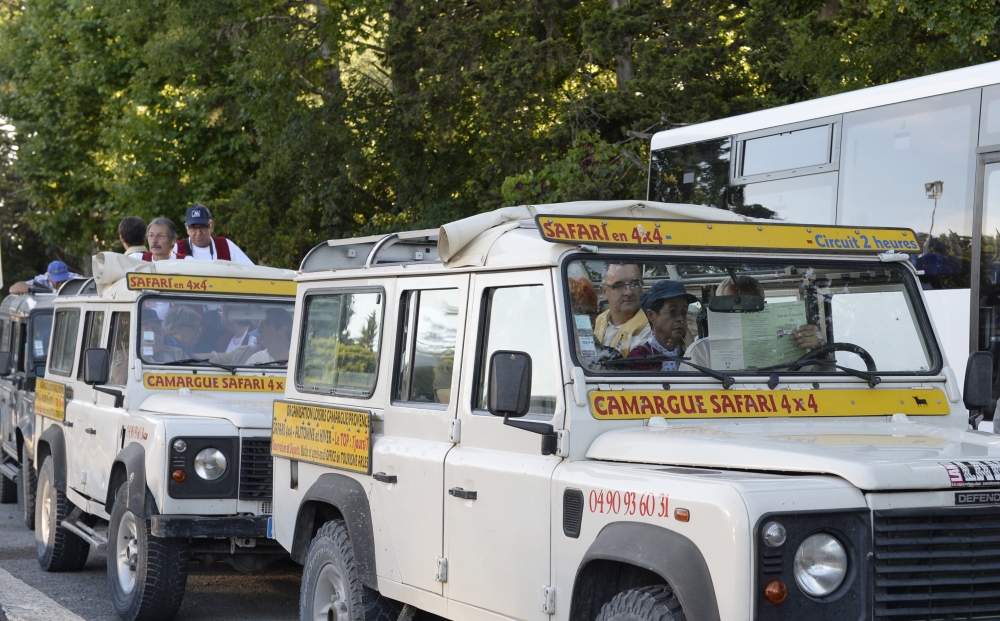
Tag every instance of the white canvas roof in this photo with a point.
(111, 267)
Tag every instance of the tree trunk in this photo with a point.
(624, 70)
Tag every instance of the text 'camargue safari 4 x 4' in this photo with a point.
(631, 410)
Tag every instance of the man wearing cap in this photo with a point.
(623, 326)
(201, 245)
(666, 308)
(56, 276)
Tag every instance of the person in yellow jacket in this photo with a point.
(623, 326)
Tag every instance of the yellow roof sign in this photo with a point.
(209, 284)
(637, 233)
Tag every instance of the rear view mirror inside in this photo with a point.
(736, 304)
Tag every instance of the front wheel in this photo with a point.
(331, 587)
(147, 574)
(652, 603)
(58, 549)
(27, 482)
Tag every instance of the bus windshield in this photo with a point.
(671, 316)
(215, 332)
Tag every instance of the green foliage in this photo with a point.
(298, 121)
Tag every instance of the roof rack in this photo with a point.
(392, 249)
(78, 286)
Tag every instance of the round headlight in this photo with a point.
(210, 464)
(180, 446)
(820, 565)
(774, 535)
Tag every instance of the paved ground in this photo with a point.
(216, 593)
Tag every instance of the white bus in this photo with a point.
(921, 153)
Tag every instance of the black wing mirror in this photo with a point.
(510, 395)
(97, 370)
(6, 363)
(736, 304)
(978, 391)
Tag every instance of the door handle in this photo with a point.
(68, 423)
(383, 477)
(91, 431)
(458, 492)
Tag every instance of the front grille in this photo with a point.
(935, 564)
(256, 469)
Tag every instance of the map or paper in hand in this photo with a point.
(745, 340)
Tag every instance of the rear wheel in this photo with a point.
(652, 603)
(147, 574)
(27, 483)
(331, 587)
(58, 549)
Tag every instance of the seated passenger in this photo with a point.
(182, 327)
(623, 326)
(666, 307)
(272, 346)
(807, 336)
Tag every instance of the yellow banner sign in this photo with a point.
(50, 399)
(628, 232)
(327, 436)
(631, 405)
(225, 383)
(213, 284)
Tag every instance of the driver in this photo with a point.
(807, 336)
(272, 346)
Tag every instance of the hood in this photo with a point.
(871, 456)
(242, 415)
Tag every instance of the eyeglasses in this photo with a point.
(634, 285)
(157, 236)
(673, 313)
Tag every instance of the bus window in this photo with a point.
(795, 149)
(889, 154)
(812, 198)
(989, 126)
(693, 173)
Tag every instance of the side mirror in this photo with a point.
(509, 392)
(96, 366)
(6, 363)
(736, 304)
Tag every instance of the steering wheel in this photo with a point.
(823, 350)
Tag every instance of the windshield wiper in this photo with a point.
(261, 364)
(228, 367)
(872, 379)
(726, 379)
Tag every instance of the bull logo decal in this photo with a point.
(920, 402)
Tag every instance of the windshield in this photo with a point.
(215, 332)
(733, 316)
(41, 328)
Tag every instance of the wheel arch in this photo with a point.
(336, 496)
(25, 428)
(627, 555)
(130, 466)
(52, 443)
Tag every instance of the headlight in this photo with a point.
(210, 463)
(820, 565)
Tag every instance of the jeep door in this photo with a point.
(408, 460)
(80, 410)
(497, 543)
(62, 363)
(105, 418)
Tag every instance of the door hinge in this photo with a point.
(442, 569)
(455, 431)
(549, 600)
(562, 443)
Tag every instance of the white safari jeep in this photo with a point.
(632, 412)
(152, 424)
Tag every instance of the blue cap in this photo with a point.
(664, 290)
(197, 214)
(58, 272)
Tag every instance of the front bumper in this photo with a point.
(183, 526)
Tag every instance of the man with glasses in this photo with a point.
(161, 235)
(666, 308)
(622, 326)
(201, 245)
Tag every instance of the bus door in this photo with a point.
(988, 197)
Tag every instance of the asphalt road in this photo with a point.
(215, 592)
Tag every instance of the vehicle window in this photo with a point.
(429, 322)
(630, 318)
(208, 330)
(41, 328)
(516, 320)
(22, 346)
(118, 344)
(340, 343)
(695, 173)
(812, 198)
(93, 325)
(989, 124)
(67, 326)
(5, 335)
(785, 151)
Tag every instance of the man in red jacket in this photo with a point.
(201, 245)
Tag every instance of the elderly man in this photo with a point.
(161, 235)
(622, 326)
(201, 245)
(53, 279)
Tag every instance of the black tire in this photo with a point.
(652, 603)
(27, 482)
(331, 554)
(8, 490)
(58, 549)
(156, 566)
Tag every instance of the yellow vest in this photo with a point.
(623, 340)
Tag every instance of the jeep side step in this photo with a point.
(8, 470)
(81, 530)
